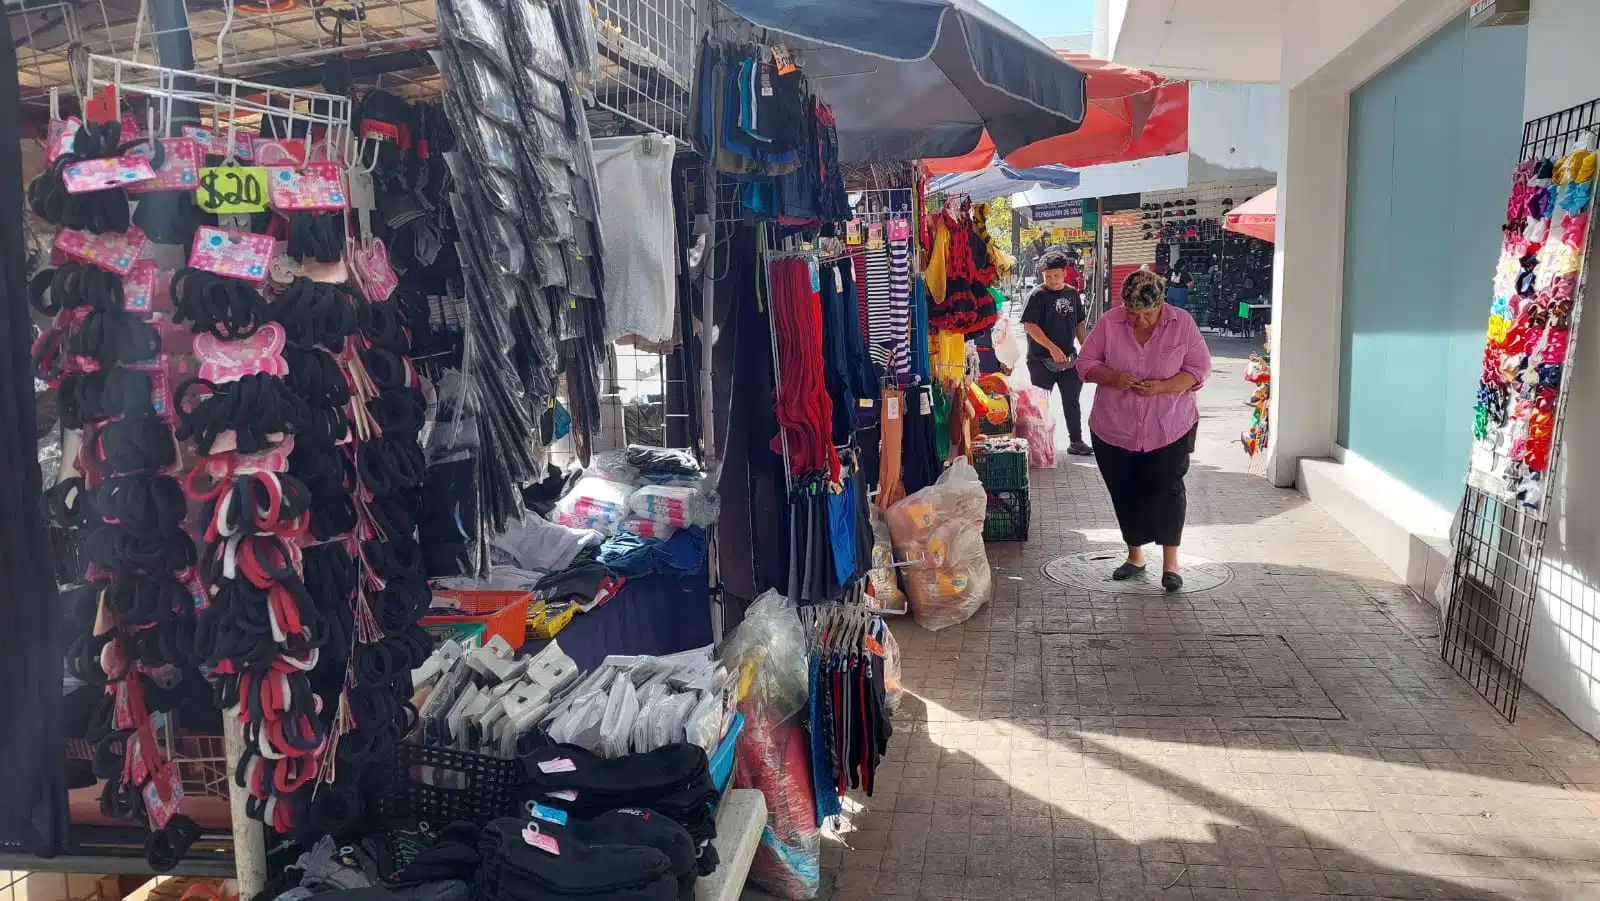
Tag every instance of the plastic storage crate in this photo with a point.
(1007, 516)
(502, 613)
(1001, 470)
(441, 785)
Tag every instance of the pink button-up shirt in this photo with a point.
(1132, 421)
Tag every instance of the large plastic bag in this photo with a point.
(1032, 408)
(1007, 338)
(938, 531)
(767, 654)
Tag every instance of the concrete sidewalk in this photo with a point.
(1291, 734)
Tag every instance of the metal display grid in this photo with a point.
(241, 39)
(646, 46)
(1499, 546)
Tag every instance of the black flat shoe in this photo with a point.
(1125, 572)
(1171, 582)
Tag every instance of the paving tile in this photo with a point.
(1288, 736)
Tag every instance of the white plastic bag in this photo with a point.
(938, 531)
(1007, 338)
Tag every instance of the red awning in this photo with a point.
(1132, 115)
(1256, 217)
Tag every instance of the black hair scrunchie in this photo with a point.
(116, 337)
(100, 395)
(316, 236)
(253, 408)
(134, 444)
(316, 313)
(94, 211)
(229, 308)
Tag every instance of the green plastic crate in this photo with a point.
(1001, 470)
(1007, 516)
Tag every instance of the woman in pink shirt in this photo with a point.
(1148, 359)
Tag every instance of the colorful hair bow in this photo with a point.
(1574, 198)
(1522, 173)
(1539, 203)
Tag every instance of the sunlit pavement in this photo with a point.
(1291, 734)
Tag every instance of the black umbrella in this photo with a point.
(922, 79)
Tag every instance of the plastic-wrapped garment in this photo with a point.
(774, 758)
(767, 654)
(476, 23)
(636, 215)
(535, 38)
(939, 532)
(1033, 422)
(487, 86)
(894, 687)
(575, 18)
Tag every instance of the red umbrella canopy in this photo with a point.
(1132, 114)
(1256, 217)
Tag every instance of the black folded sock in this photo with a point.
(515, 870)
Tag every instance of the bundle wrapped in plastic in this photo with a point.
(767, 654)
(1032, 410)
(674, 505)
(595, 503)
(938, 531)
(645, 528)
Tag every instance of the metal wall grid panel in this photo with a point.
(1499, 547)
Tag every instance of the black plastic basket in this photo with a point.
(440, 785)
(1001, 470)
(1007, 516)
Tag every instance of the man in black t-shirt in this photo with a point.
(1053, 319)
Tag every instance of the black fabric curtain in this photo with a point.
(32, 794)
(753, 531)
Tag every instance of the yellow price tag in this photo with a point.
(232, 189)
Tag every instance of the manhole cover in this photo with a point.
(1092, 572)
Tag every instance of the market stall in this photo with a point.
(350, 556)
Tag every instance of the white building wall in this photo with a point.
(1235, 131)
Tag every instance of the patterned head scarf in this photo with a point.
(1143, 290)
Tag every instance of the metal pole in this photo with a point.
(169, 23)
(249, 838)
(1102, 260)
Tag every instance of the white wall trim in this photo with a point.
(1418, 512)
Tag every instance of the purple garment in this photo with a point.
(1132, 421)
